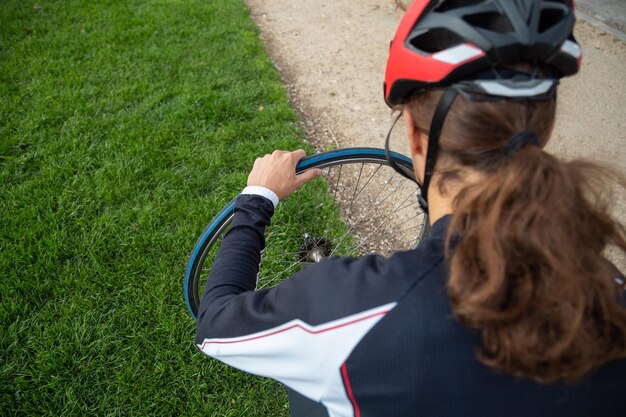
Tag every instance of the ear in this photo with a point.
(418, 141)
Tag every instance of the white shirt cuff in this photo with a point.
(263, 192)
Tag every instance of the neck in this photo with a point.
(441, 204)
(438, 205)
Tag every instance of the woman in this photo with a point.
(508, 308)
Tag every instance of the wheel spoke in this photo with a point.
(337, 184)
(356, 187)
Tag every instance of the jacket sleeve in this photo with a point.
(301, 331)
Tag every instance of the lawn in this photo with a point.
(124, 126)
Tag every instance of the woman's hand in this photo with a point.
(277, 172)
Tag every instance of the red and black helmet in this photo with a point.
(472, 47)
(443, 42)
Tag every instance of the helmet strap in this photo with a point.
(436, 126)
(393, 164)
(390, 160)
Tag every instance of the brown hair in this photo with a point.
(528, 271)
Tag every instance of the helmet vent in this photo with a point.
(493, 21)
(455, 4)
(550, 18)
(436, 40)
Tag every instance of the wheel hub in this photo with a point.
(314, 249)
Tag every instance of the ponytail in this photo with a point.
(525, 243)
(529, 271)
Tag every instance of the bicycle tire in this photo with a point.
(339, 157)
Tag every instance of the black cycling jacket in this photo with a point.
(371, 336)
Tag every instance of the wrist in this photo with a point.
(263, 192)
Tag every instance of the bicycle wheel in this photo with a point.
(361, 205)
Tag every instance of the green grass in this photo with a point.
(124, 126)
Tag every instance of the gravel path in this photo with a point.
(332, 57)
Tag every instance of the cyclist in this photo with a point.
(508, 308)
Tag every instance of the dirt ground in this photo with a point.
(332, 57)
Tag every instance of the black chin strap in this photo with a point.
(392, 163)
(433, 142)
(433, 145)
